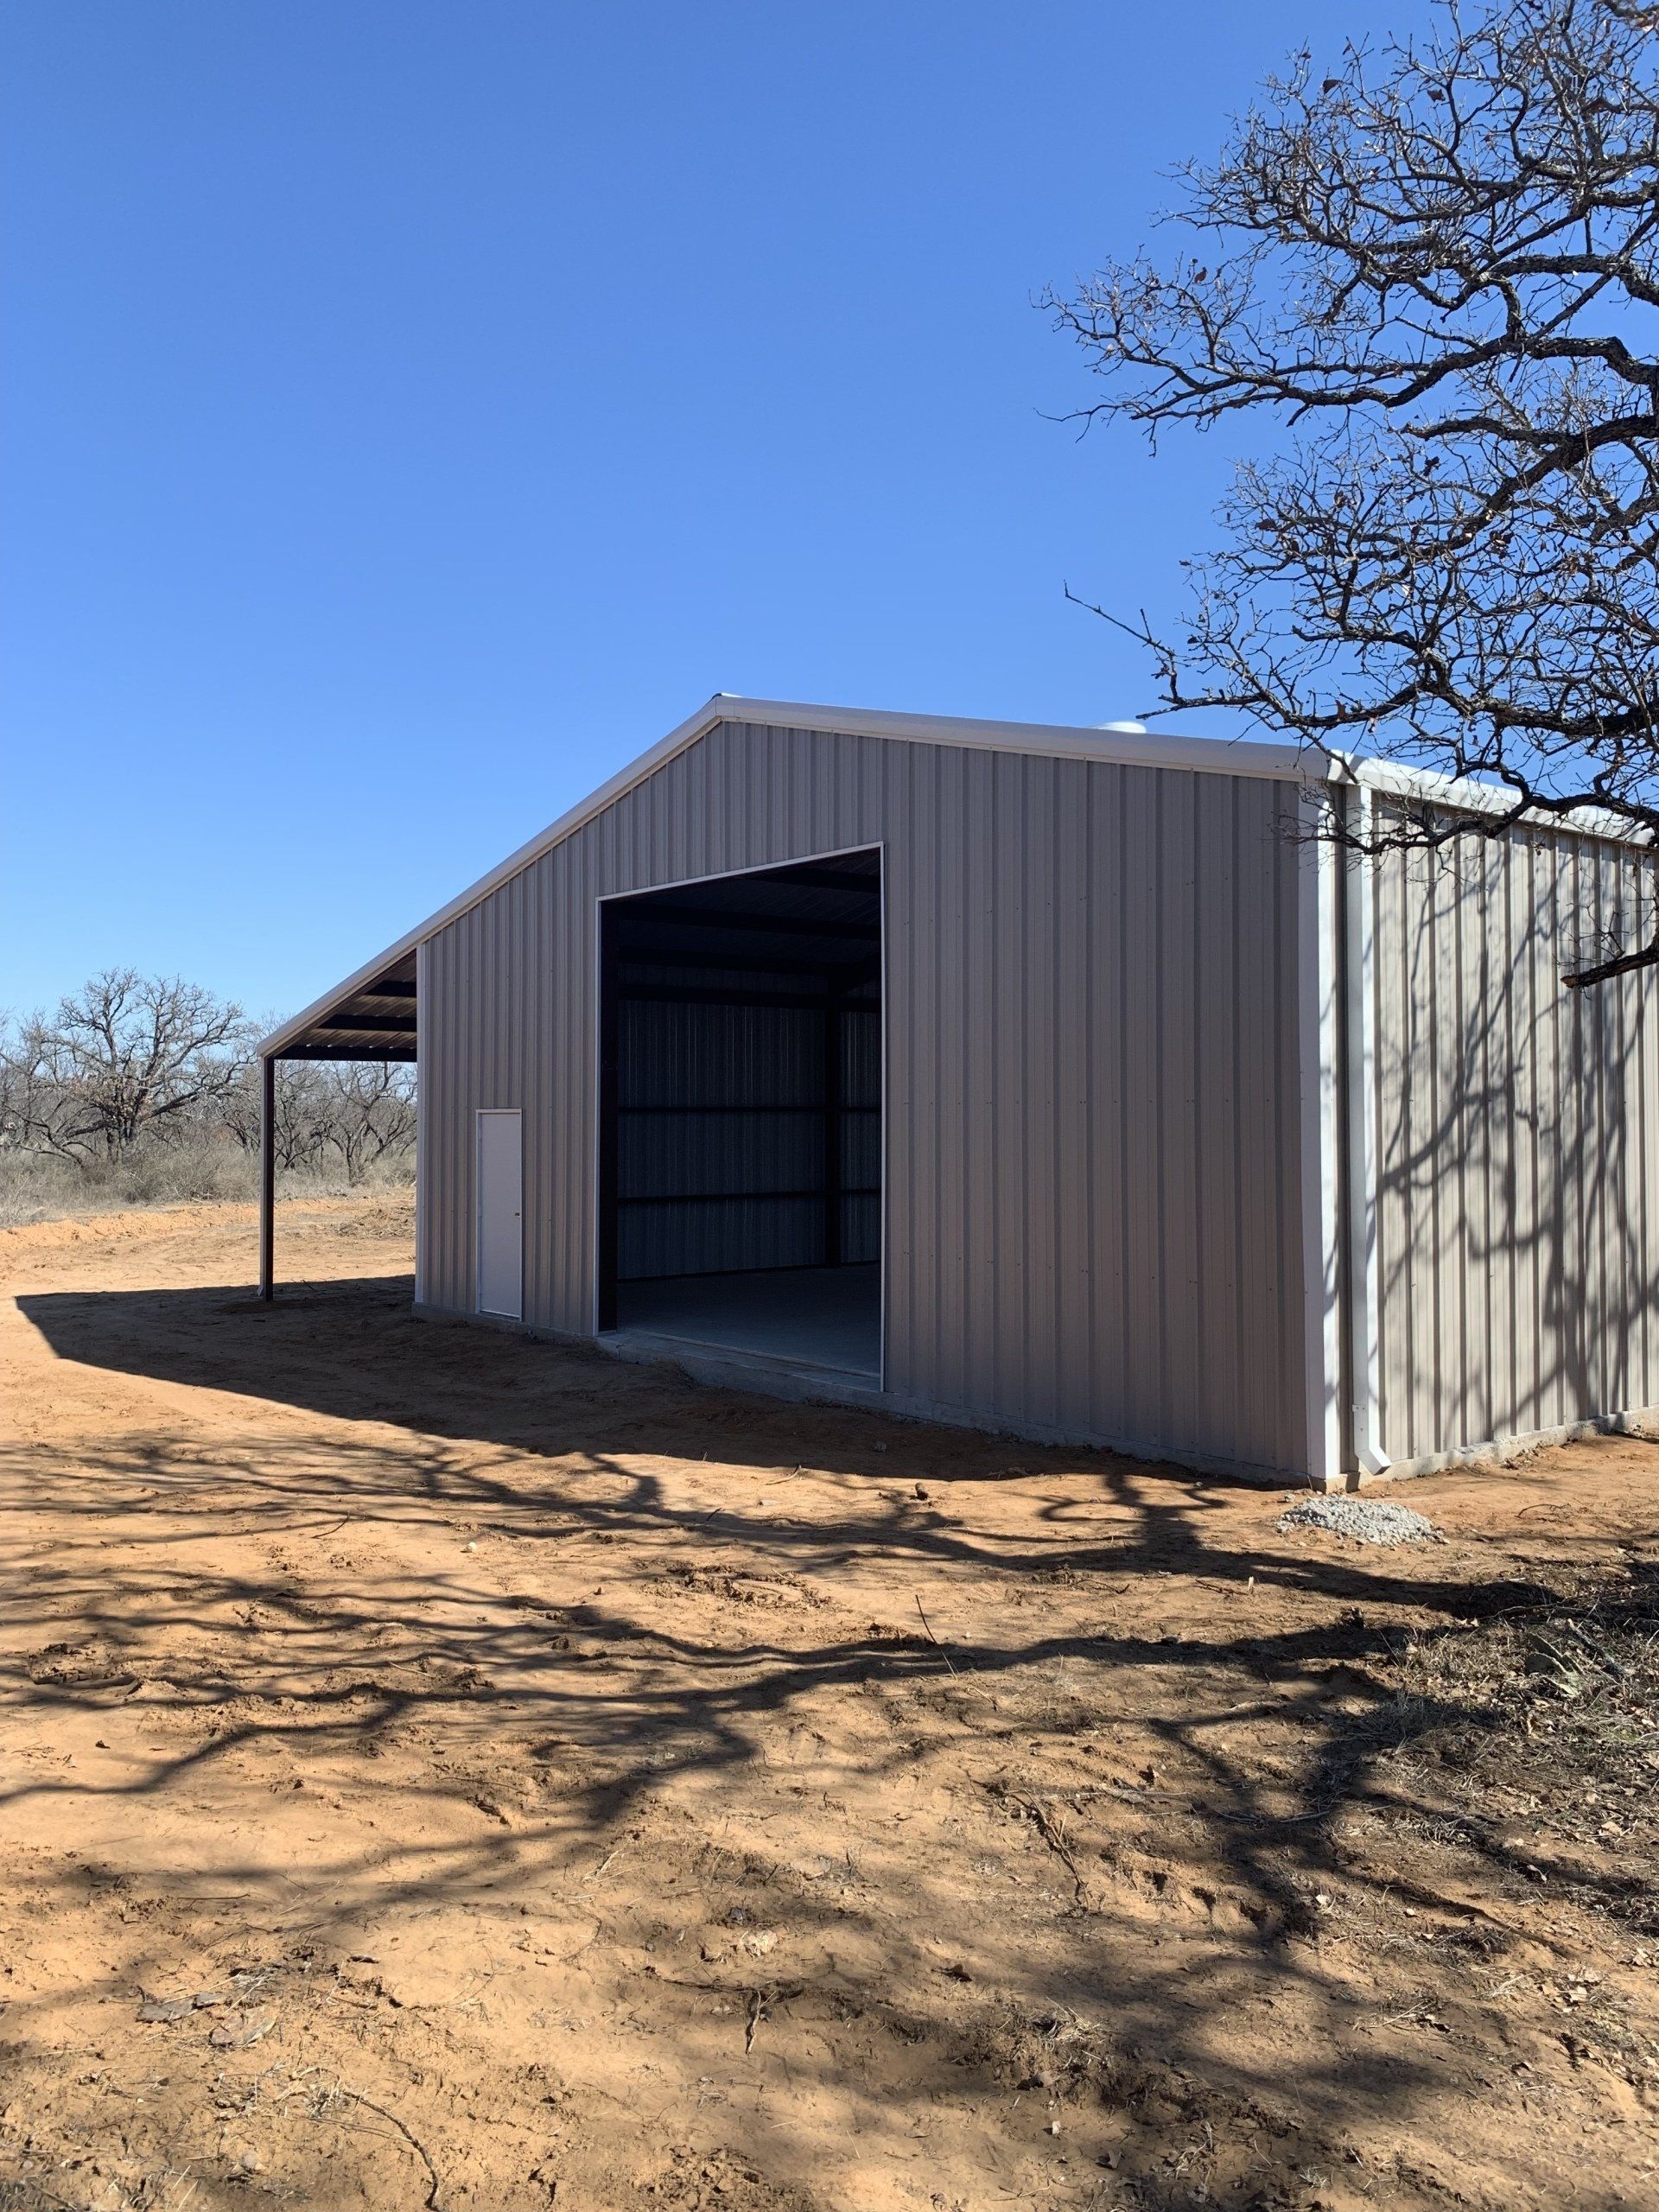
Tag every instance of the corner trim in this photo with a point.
(1364, 1274)
(1319, 1029)
(422, 1152)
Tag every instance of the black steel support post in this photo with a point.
(267, 1178)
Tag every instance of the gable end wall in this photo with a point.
(1093, 1223)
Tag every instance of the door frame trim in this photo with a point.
(481, 1115)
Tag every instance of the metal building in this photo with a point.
(1043, 1079)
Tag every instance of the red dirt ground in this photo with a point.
(446, 1770)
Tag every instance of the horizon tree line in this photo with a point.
(130, 1064)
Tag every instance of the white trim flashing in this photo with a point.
(1365, 1291)
(1318, 1029)
(1470, 794)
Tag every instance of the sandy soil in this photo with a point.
(443, 1770)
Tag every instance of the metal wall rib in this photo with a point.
(1517, 1168)
(1092, 1179)
(733, 1177)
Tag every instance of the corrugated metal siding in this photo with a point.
(1093, 1209)
(672, 1167)
(720, 1151)
(860, 1135)
(1518, 1179)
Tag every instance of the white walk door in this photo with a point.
(500, 1213)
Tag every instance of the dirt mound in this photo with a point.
(390, 1216)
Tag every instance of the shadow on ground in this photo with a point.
(1070, 1780)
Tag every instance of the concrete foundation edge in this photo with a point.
(1504, 1451)
(759, 1377)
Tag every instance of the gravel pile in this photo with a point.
(1368, 1521)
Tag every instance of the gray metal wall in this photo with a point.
(1092, 1174)
(721, 1150)
(1517, 1205)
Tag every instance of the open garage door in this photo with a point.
(741, 1113)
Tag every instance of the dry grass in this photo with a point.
(39, 1186)
(1548, 1712)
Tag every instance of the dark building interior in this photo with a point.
(741, 1113)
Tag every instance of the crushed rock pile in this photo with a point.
(1367, 1520)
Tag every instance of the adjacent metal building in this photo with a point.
(1049, 1080)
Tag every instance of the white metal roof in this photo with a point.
(1282, 763)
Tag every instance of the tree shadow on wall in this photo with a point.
(1518, 1261)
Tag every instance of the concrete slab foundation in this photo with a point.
(826, 1320)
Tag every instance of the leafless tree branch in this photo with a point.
(130, 1063)
(1433, 267)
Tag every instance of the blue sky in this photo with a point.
(414, 410)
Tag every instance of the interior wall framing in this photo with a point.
(749, 1135)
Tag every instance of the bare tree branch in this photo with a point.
(122, 1054)
(131, 1066)
(1435, 268)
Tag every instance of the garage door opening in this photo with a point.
(740, 1142)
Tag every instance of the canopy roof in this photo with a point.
(375, 1021)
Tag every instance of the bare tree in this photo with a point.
(1433, 267)
(361, 1111)
(299, 1128)
(21, 1104)
(122, 1057)
(369, 1111)
(150, 1085)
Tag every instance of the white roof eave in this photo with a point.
(1208, 755)
(1472, 795)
